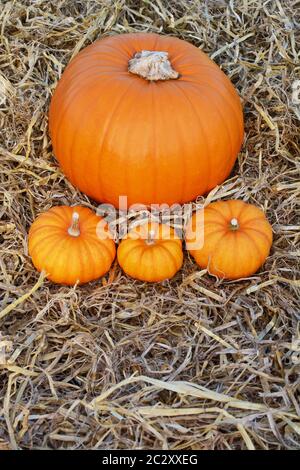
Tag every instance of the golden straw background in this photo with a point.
(194, 363)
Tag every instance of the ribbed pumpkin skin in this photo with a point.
(115, 133)
(69, 259)
(151, 263)
(227, 253)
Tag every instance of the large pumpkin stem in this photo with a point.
(152, 65)
(73, 230)
(234, 225)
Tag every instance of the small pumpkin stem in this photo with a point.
(234, 225)
(73, 230)
(150, 237)
(152, 65)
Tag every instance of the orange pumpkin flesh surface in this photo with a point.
(151, 252)
(165, 132)
(236, 238)
(70, 245)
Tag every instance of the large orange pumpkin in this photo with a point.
(232, 239)
(72, 244)
(146, 116)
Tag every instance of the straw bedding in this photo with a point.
(194, 363)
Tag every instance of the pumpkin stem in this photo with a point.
(73, 230)
(150, 237)
(152, 65)
(234, 225)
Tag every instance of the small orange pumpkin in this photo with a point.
(72, 244)
(231, 239)
(151, 252)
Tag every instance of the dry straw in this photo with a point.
(194, 363)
